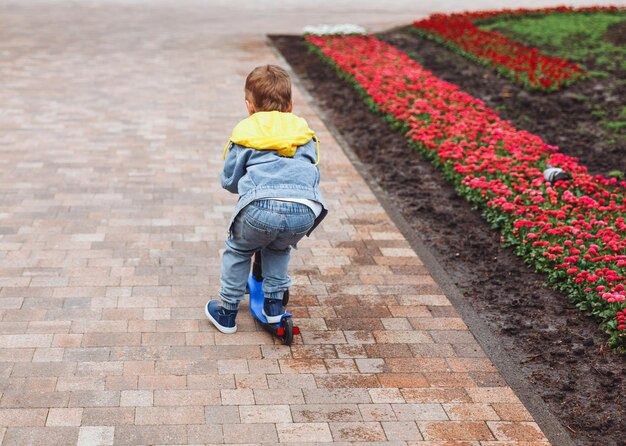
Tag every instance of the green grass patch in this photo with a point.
(578, 37)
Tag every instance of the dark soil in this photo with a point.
(562, 353)
(616, 33)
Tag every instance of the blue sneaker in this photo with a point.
(273, 310)
(223, 319)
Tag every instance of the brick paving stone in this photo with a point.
(263, 366)
(412, 365)
(432, 300)
(99, 368)
(23, 417)
(251, 381)
(302, 366)
(435, 395)
(491, 395)
(449, 379)
(34, 399)
(65, 383)
(488, 379)
(386, 395)
(395, 323)
(163, 382)
(516, 431)
(312, 413)
(350, 351)
(169, 415)
(465, 411)
(341, 323)
(87, 354)
(341, 366)
(347, 380)
(324, 337)
(64, 417)
(143, 435)
(139, 367)
(237, 397)
(20, 436)
(182, 367)
(377, 412)
(218, 414)
(371, 365)
(402, 380)
(284, 396)
(204, 434)
(111, 339)
(437, 323)
(452, 443)
(25, 340)
(401, 430)
(95, 436)
(388, 351)
(402, 337)
(250, 433)
(362, 337)
(90, 398)
(108, 416)
(471, 365)
(336, 396)
(455, 430)
(512, 412)
(135, 398)
(121, 383)
(28, 384)
(411, 411)
(265, 414)
(210, 382)
(301, 433)
(357, 431)
(311, 352)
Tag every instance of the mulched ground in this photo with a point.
(563, 354)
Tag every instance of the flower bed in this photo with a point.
(525, 65)
(574, 230)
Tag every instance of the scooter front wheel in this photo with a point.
(286, 297)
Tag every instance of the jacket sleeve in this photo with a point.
(234, 169)
(308, 152)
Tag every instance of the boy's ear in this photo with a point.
(290, 109)
(250, 107)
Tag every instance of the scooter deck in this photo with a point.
(256, 300)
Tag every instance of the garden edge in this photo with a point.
(552, 428)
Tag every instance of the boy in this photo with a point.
(271, 162)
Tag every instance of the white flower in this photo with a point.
(344, 28)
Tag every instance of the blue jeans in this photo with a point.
(269, 226)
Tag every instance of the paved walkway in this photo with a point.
(112, 121)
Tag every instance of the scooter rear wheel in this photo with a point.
(287, 325)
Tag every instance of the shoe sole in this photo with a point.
(273, 319)
(226, 330)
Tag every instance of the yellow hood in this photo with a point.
(273, 130)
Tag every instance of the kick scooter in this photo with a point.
(284, 329)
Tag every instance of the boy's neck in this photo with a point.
(252, 109)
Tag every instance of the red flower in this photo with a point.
(523, 64)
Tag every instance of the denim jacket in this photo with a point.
(263, 174)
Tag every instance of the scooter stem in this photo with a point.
(257, 271)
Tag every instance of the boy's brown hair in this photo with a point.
(268, 87)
